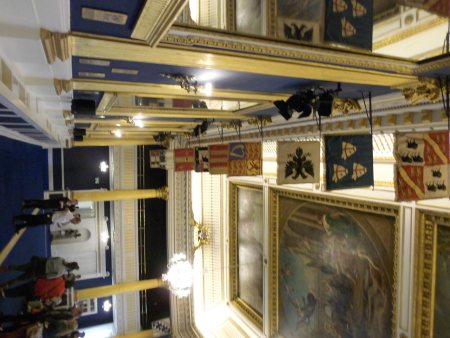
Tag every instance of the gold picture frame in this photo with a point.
(358, 210)
(429, 247)
(244, 302)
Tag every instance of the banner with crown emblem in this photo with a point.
(184, 159)
(201, 159)
(298, 162)
(218, 159)
(349, 22)
(349, 161)
(158, 159)
(439, 7)
(245, 159)
(422, 165)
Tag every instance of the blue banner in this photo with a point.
(349, 161)
(349, 22)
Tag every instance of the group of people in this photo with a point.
(42, 281)
(59, 211)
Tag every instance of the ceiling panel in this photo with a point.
(130, 7)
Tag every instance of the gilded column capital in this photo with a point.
(56, 45)
(62, 85)
(163, 193)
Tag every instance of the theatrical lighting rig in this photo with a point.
(318, 100)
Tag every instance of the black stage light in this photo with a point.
(200, 104)
(283, 109)
(325, 104)
(78, 138)
(160, 137)
(204, 126)
(79, 132)
(305, 103)
(84, 107)
(196, 131)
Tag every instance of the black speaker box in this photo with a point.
(83, 107)
(79, 132)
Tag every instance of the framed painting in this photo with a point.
(246, 250)
(333, 267)
(432, 282)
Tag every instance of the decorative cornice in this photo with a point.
(420, 28)
(208, 38)
(155, 20)
(56, 45)
(62, 85)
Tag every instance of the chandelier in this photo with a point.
(179, 275)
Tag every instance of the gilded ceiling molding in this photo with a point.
(207, 39)
(172, 91)
(344, 106)
(106, 102)
(442, 62)
(113, 141)
(56, 45)
(271, 18)
(427, 90)
(230, 15)
(62, 85)
(407, 33)
(187, 113)
(155, 19)
(102, 48)
(126, 122)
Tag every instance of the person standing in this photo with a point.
(62, 218)
(49, 268)
(53, 203)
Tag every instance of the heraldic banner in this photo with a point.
(349, 22)
(158, 159)
(439, 7)
(245, 159)
(184, 159)
(298, 162)
(422, 165)
(201, 159)
(349, 161)
(218, 159)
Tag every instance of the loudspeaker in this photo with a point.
(83, 107)
(79, 132)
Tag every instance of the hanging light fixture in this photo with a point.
(179, 275)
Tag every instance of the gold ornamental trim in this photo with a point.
(244, 308)
(241, 43)
(155, 19)
(56, 45)
(409, 32)
(62, 86)
(425, 268)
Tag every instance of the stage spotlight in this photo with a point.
(325, 104)
(204, 126)
(196, 131)
(200, 104)
(283, 109)
(160, 137)
(304, 103)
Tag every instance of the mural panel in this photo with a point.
(336, 273)
(246, 250)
